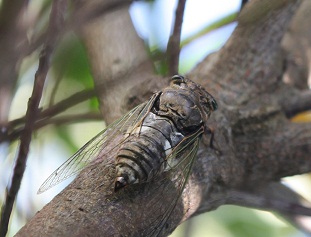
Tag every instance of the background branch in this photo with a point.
(266, 202)
(126, 60)
(14, 126)
(77, 118)
(58, 10)
(173, 46)
(13, 32)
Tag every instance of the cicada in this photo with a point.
(159, 136)
(156, 134)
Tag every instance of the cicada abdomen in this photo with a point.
(143, 153)
(175, 120)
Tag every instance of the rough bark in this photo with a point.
(297, 45)
(255, 143)
(117, 65)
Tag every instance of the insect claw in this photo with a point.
(210, 131)
(120, 183)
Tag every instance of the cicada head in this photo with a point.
(186, 103)
(203, 99)
(208, 104)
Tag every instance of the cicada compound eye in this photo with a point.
(214, 104)
(177, 79)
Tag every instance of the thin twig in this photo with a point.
(17, 125)
(67, 103)
(57, 121)
(58, 80)
(173, 47)
(56, 21)
(76, 118)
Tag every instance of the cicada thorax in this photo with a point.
(176, 117)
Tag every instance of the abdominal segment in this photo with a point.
(143, 154)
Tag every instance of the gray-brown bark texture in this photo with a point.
(255, 143)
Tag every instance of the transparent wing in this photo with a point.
(102, 142)
(185, 153)
(180, 154)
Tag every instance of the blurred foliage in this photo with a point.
(159, 60)
(70, 64)
(71, 61)
(233, 221)
(209, 28)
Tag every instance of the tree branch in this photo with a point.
(266, 202)
(124, 64)
(173, 46)
(76, 118)
(296, 103)
(253, 75)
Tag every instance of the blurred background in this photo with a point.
(205, 29)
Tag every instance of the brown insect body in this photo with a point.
(176, 115)
(158, 136)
